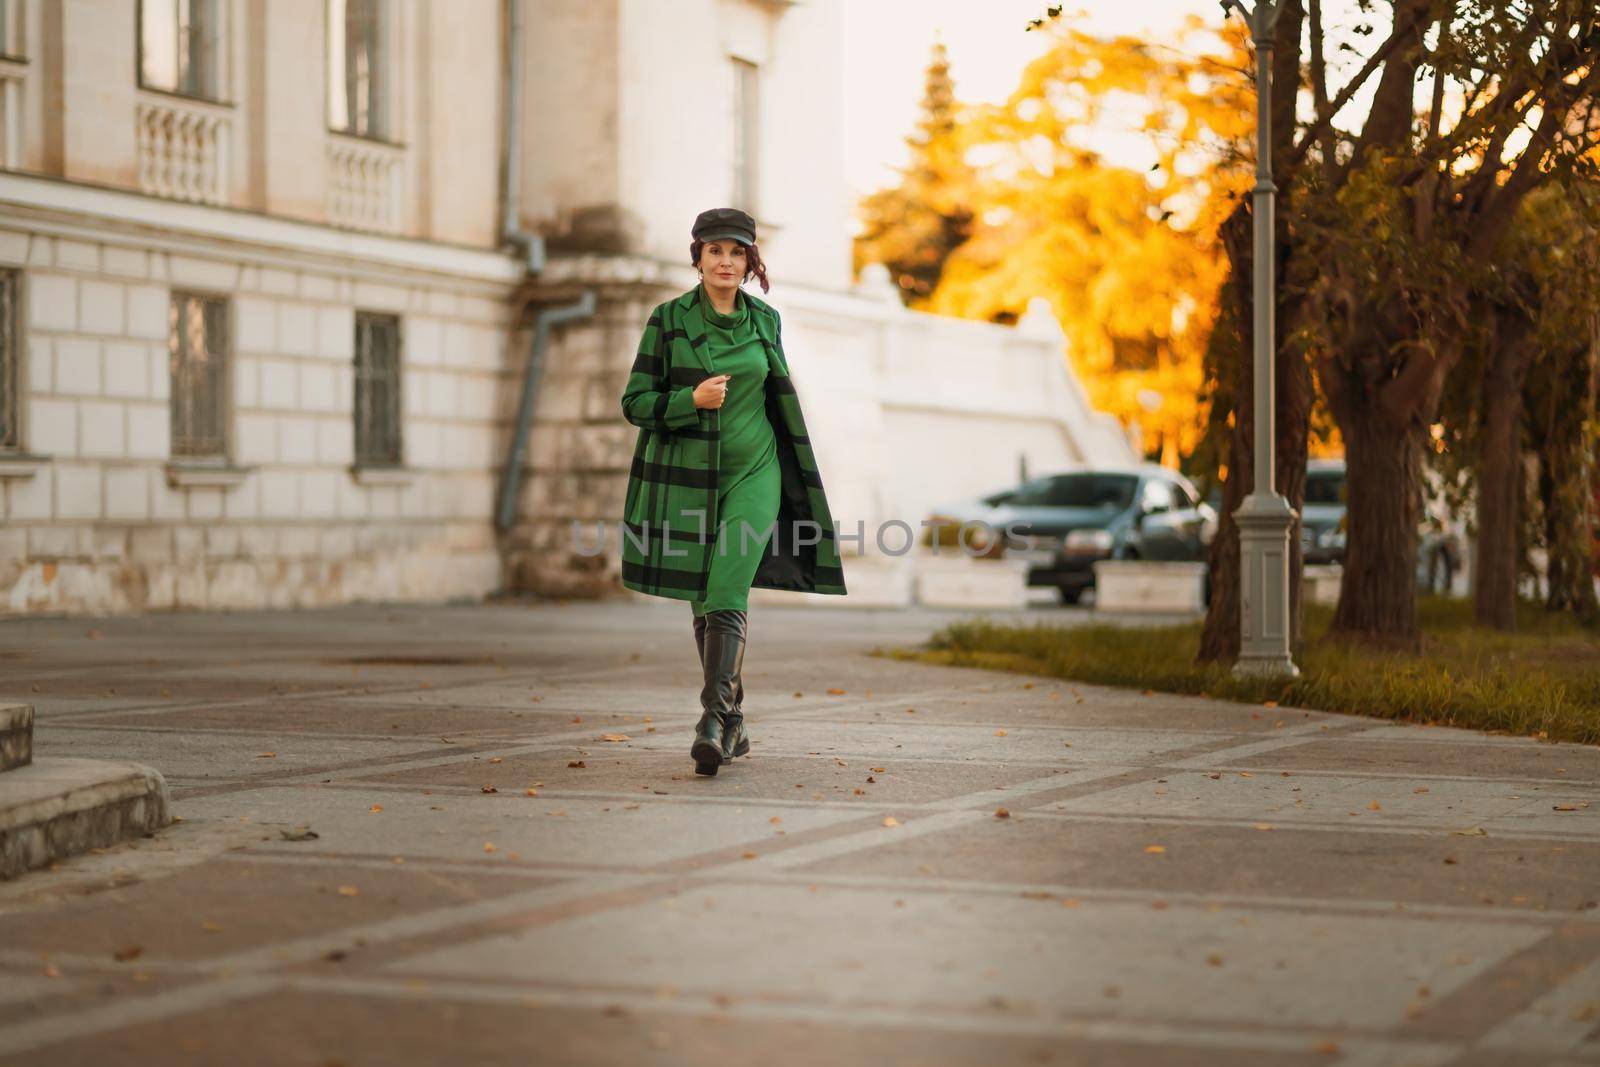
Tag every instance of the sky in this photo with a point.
(888, 44)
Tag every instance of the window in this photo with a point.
(1027, 495)
(10, 364)
(1114, 491)
(180, 47)
(1325, 487)
(377, 393)
(198, 347)
(746, 133)
(1157, 496)
(360, 44)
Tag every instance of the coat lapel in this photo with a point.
(692, 317)
(694, 330)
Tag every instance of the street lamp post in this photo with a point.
(1264, 517)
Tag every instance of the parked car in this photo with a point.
(1062, 523)
(1324, 527)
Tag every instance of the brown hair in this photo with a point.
(752, 262)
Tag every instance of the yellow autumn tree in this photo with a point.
(1100, 183)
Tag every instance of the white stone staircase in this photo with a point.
(50, 808)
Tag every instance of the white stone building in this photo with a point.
(271, 271)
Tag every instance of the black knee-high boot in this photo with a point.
(724, 655)
(735, 741)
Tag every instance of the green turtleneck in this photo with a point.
(735, 349)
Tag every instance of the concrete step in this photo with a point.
(16, 736)
(52, 808)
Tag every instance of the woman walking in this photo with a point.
(724, 494)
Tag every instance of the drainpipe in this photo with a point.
(531, 248)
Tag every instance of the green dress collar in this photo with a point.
(740, 316)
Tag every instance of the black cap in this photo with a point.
(720, 223)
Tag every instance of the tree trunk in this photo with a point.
(1220, 639)
(1567, 484)
(1494, 598)
(1378, 592)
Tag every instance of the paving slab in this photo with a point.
(1036, 872)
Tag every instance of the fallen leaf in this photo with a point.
(1246, 774)
(1568, 807)
(304, 833)
(266, 755)
(132, 952)
(375, 808)
(613, 737)
(870, 778)
(1263, 826)
(1473, 831)
(577, 763)
(489, 789)
(210, 927)
(1002, 813)
(875, 770)
(577, 718)
(890, 820)
(999, 733)
(1155, 850)
(1374, 806)
(775, 820)
(1214, 960)
(1269, 703)
(533, 792)
(50, 971)
(1215, 775)
(349, 891)
(836, 692)
(1420, 789)
(860, 792)
(496, 759)
(488, 846)
(747, 855)
(1326, 1047)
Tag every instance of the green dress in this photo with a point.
(749, 479)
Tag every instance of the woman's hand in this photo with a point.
(712, 392)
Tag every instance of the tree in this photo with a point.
(1561, 417)
(1386, 230)
(913, 227)
(1125, 251)
(1403, 231)
(1523, 380)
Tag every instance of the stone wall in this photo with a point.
(94, 519)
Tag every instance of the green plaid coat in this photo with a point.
(670, 518)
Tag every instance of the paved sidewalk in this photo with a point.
(362, 875)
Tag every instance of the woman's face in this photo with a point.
(724, 264)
